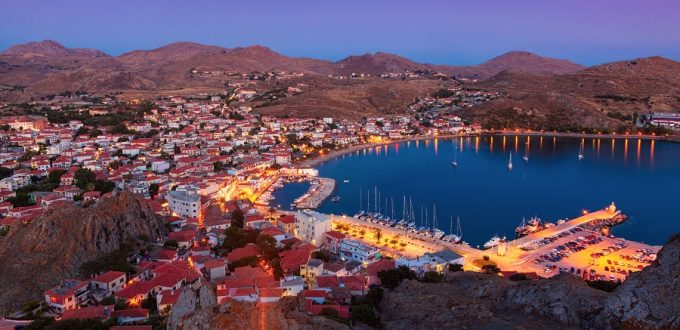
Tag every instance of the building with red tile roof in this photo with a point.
(250, 250)
(90, 312)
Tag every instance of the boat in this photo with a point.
(454, 163)
(525, 158)
(458, 236)
(493, 242)
(510, 162)
(345, 181)
(438, 233)
(580, 151)
(335, 199)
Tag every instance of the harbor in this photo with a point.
(319, 190)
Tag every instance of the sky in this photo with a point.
(430, 31)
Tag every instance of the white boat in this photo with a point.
(335, 199)
(438, 233)
(458, 236)
(580, 151)
(525, 158)
(345, 181)
(510, 162)
(493, 242)
(454, 163)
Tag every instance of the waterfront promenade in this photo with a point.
(400, 243)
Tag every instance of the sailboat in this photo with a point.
(454, 163)
(580, 151)
(510, 162)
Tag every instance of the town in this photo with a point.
(209, 167)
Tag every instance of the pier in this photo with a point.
(317, 194)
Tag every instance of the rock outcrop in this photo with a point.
(648, 299)
(36, 256)
(198, 310)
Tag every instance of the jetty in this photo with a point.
(318, 192)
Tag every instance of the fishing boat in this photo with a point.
(510, 162)
(493, 242)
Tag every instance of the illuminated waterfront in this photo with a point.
(639, 175)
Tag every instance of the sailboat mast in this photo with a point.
(361, 200)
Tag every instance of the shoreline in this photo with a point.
(314, 162)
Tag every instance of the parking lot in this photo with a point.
(588, 254)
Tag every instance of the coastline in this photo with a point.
(337, 153)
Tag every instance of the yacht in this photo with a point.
(438, 233)
(580, 151)
(493, 242)
(510, 162)
(345, 181)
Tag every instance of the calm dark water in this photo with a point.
(641, 177)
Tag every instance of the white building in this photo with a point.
(431, 261)
(311, 225)
(351, 249)
(184, 203)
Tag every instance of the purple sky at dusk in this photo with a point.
(442, 32)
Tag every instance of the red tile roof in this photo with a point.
(90, 312)
(136, 312)
(250, 250)
(382, 264)
(108, 277)
(271, 292)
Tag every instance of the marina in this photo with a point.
(570, 246)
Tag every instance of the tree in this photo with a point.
(54, 177)
(267, 246)
(455, 267)
(153, 190)
(5, 172)
(364, 313)
(375, 295)
(321, 255)
(21, 199)
(330, 312)
(377, 234)
(518, 277)
(491, 269)
(391, 278)
(432, 277)
(84, 177)
(237, 218)
(171, 244)
(217, 166)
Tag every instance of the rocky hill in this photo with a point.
(39, 68)
(36, 256)
(648, 299)
(592, 98)
(198, 309)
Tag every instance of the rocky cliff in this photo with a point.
(198, 309)
(648, 300)
(36, 256)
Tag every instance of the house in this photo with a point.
(184, 238)
(373, 269)
(166, 299)
(270, 295)
(184, 203)
(431, 261)
(131, 316)
(311, 226)
(136, 292)
(69, 294)
(215, 269)
(102, 312)
(287, 223)
(250, 250)
(111, 281)
(332, 240)
(292, 285)
(351, 249)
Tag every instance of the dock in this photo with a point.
(317, 194)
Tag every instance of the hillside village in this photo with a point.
(202, 165)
